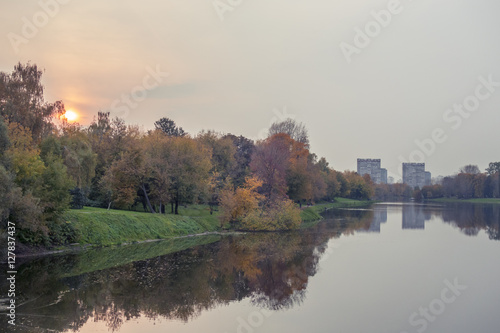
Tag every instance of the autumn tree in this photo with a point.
(24, 157)
(295, 130)
(317, 179)
(237, 204)
(243, 156)
(332, 184)
(270, 162)
(223, 152)
(189, 168)
(298, 175)
(128, 174)
(109, 139)
(359, 187)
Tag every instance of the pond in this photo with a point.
(391, 267)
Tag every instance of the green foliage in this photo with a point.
(61, 233)
(56, 183)
(78, 199)
(22, 101)
(24, 157)
(223, 152)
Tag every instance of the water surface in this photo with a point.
(387, 268)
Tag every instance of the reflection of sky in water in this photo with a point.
(375, 271)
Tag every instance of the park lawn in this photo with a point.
(99, 226)
(102, 227)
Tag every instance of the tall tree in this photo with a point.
(24, 157)
(169, 127)
(126, 175)
(295, 130)
(189, 166)
(244, 150)
(270, 162)
(472, 169)
(109, 139)
(493, 168)
(22, 101)
(223, 152)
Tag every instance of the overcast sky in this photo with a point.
(235, 66)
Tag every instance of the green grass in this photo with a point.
(99, 226)
(456, 200)
(102, 227)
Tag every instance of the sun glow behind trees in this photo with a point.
(70, 115)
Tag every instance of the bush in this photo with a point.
(61, 233)
(281, 215)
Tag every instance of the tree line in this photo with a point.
(256, 185)
(47, 168)
(468, 183)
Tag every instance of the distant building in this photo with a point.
(414, 174)
(367, 166)
(428, 178)
(383, 176)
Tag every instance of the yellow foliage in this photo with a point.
(237, 204)
(282, 215)
(24, 156)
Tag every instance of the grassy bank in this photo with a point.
(99, 226)
(456, 200)
(103, 227)
(311, 214)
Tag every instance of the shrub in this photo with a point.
(280, 215)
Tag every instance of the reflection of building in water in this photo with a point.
(413, 217)
(379, 217)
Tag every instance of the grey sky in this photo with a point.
(270, 58)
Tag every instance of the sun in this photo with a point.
(70, 115)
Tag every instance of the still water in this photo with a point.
(387, 268)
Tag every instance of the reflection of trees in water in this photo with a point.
(352, 220)
(472, 218)
(272, 269)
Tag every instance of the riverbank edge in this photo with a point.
(493, 201)
(98, 227)
(311, 215)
